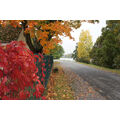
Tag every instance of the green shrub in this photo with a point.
(117, 62)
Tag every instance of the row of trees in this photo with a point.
(106, 50)
(83, 48)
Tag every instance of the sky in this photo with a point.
(94, 29)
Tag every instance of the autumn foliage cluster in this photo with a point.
(83, 48)
(18, 79)
(47, 32)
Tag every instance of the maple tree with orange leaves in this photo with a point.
(42, 35)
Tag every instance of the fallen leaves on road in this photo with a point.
(67, 85)
(58, 87)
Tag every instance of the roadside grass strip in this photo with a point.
(117, 71)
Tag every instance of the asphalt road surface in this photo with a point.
(106, 83)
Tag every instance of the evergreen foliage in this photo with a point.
(106, 51)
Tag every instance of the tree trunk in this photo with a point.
(28, 39)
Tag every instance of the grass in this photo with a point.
(102, 68)
(58, 88)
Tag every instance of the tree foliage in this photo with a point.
(9, 33)
(57, 52)
(18, 79)
(77, 23)
(106, 50)
(84, 46)
(46, 33)
(75, 54)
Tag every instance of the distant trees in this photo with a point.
(57, 52)
(83, 47)
(106, 51)
(69, 55)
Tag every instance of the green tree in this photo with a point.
(57, 52)
(84, 46)
(106, 50)
(75, 54)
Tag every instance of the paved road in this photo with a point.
(106, 83)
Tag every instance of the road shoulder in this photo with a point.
(81, 88)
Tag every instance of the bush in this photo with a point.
(18, 79)
(117, 62)
(84, 60)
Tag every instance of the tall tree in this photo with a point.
(75, 54)
(84, 46)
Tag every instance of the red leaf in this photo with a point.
(1, 73)
(4, 80)
(43, 98)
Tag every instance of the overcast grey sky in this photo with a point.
(95, 31)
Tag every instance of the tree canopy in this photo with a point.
(45, 33)
(85, 44)
(106, 51)
(57, 52)
(83, 47)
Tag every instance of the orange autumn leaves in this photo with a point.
(44, 30)
(47, 32)
(14, 23)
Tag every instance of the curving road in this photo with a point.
(106, 83)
